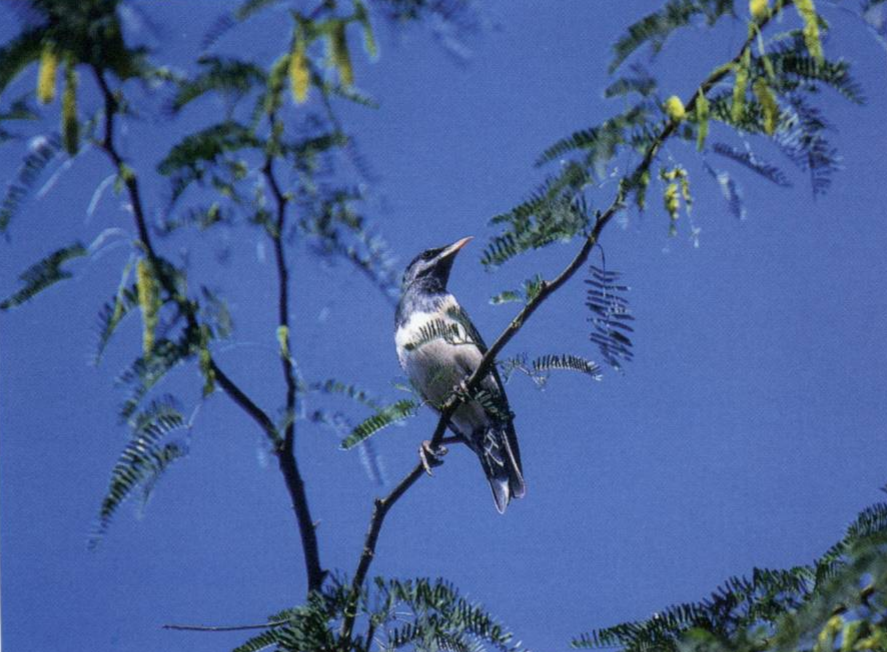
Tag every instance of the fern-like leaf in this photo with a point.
(655, 28)
(383, 418)
(753, 162)
(44, 274)
(144, 459)
(611, 317)
(546, 363)
(42, 152)
(219, 75)
(730, 190)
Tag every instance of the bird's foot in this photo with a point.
(431, 457)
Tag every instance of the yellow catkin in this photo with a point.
(283, 340)
(807, 11)
(675, 108)
(737, 110)
(672, 200)
(300, 71)
(70, 124)
(49, 63)
(149, 303)
(702, 109)
(759, 8)
(768, 105)
(339, 55)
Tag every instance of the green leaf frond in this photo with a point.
(112, 313)
(641, 82)
(747, 158)
(801, 138)
(333, 387)
(263, 641)
(198, 153)
(568, 362)
(655, 28)
(383, 418)
(537, 223)
(794, 69)
(432, 615)
(600, 144)
(199, 217)
(144, 459)
(44, 274)
(224, 75)
(215, 314)
(730, 190)
(147, 370)
(528, 291)
(42, 151)
(830, 605)
(611, 318)
(338, 230)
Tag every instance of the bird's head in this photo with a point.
(430, 270)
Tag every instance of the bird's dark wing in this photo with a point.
(506, 423)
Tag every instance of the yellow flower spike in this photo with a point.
(737, 110)
(49, 63)
(300, 72)
(759, 8)
(701, 120)
(768, 105)
(807, 12)
(149, 303)
(674, 108)
(672, 200)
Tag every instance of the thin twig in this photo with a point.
(382, 506)
(286, 452)
(229, 628)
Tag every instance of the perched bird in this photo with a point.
(439, 348)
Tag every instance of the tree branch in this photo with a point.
(383, 505)
(229, 628)
(286, 453)
(283, 448)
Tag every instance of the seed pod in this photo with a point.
(70, 124)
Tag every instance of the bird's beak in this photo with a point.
(455, 247)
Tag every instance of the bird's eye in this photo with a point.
(428, 255)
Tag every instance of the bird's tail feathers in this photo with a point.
(502, 469)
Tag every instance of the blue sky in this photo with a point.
(747, 432)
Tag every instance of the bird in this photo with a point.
(439, 349)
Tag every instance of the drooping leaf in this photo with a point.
(42, 150)
(611, 316)
(750, 160)
(144, 459)
(383, 418)
(44, 274)
(219, 75)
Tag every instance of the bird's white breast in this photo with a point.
(438, 365)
